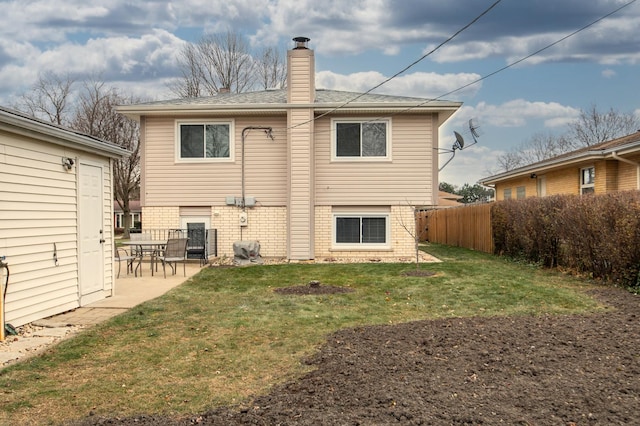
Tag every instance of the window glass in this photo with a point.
(361, 230)
(374, 140)
(348, 139)
(204, 140)
(361, 139)
(348, 230)
(507, 194)
(374, 230)
(520, 192)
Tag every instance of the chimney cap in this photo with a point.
(301, 42)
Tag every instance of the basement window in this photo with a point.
(361, 231)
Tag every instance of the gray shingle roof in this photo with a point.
(279, 97)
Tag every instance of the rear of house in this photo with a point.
(606, 167)
(55, 217)
(308, 173)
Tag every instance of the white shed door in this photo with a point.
(91, 224)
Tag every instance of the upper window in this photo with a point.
(506, 194)
(587, 180)
(205, 140)
(361, 139)
(521, 193)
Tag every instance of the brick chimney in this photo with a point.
(300, 139)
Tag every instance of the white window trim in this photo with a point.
(583, 185)
(334, 139)
(232, 143)
(361, 246)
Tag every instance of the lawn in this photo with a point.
(226, 335)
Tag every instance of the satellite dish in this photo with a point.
(459, 143)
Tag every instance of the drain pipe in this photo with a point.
(625, 160)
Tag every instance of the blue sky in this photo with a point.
(359, 43)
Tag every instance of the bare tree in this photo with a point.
(96, 115)
(216, 62)
(49, 98)
(593, 127)
(271, 68)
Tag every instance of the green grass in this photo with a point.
(226, 335)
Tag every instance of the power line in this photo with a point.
(483, 77)
(524, 58)
(473, 21)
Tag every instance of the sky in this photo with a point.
(134, 46)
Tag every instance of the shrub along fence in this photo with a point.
(597, 235)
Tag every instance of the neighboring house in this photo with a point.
(307, 173)
(135, 213)
(56, 213)
(447, 199)
(606, 167)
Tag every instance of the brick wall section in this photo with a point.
(161, 217)
(265, 224)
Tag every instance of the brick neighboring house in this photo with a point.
(309, 173)
(605, 167)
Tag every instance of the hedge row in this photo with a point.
(598, 234)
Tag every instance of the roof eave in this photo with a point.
(68, 138)
(564, 161)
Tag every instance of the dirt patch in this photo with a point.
(546, 370)
(313, 288)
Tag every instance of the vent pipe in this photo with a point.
(301, 42)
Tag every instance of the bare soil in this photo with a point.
(544, 370)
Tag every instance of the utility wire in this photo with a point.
(407, 67)
(524, 58)
(485, 76)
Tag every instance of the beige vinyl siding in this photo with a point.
(169, 183)
(301, 66)
(37, 210)
(300, 187)
(406, 178)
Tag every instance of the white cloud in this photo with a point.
(608, 73)
(419, 84)
(517, 112)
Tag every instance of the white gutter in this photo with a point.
(614, 155)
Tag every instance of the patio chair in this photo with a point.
(175, 251)
(197, 247)
(122, 254)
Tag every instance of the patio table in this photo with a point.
(147, 246)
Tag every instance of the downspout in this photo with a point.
(615, 156)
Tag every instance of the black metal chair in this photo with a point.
(197, 246)
(175, 251)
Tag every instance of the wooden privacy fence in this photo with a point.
(467, 226)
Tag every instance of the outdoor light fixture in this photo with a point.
(67, 163)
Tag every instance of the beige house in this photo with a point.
(306, 172)
(606, 167)
(56, 214)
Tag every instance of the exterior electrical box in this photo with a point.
(243, 218)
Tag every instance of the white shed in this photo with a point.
(56, 217)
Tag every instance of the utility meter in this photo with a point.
(243, 219)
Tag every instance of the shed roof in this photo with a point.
(19, 123)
